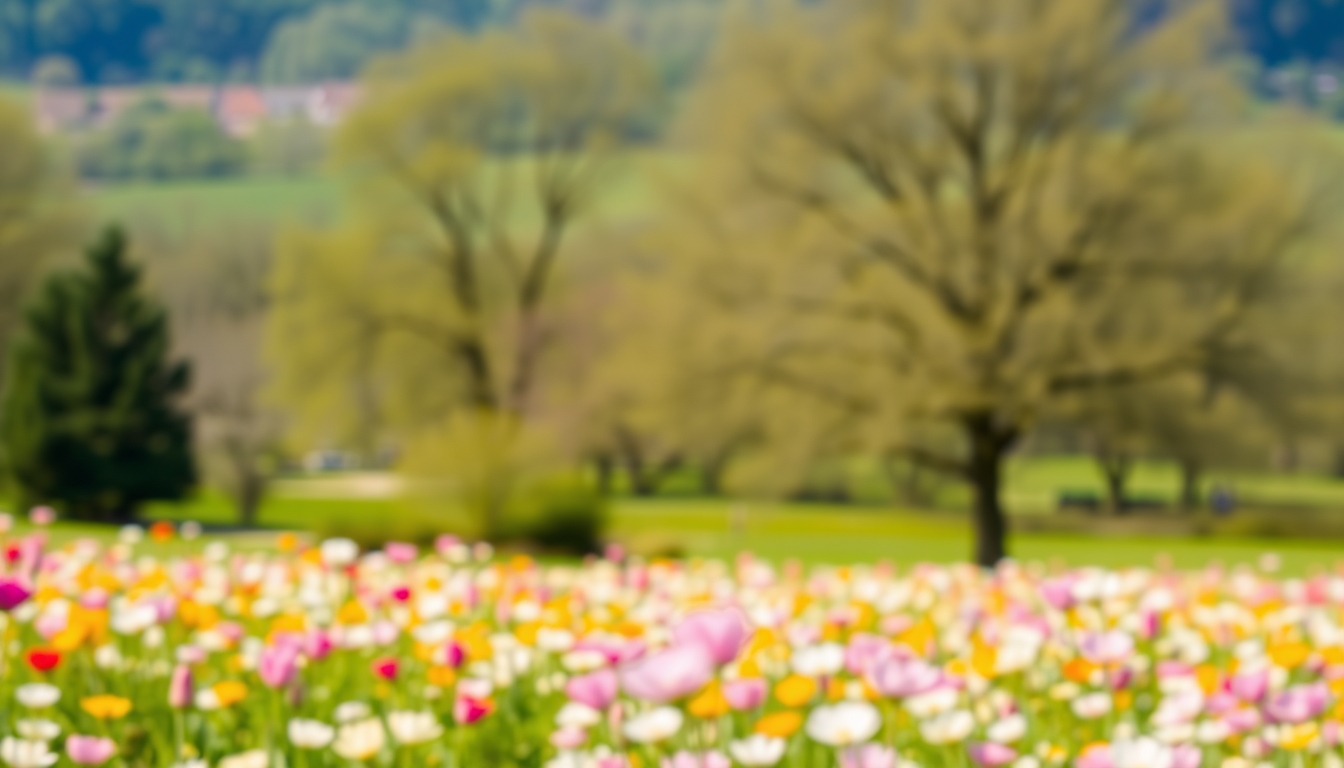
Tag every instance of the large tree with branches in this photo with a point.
(957, 212)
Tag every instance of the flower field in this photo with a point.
(326, 656)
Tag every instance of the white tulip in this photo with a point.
(414, 727)
(758, 750)
(350, 711)
(36, 729)
(37, 695)
(254, 758)
(360, 740)
(653, 726)
(22, 753)
(948, 728)
(310, 734)
(1008, 730)
(844, 724)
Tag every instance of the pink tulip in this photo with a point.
(595, 689)
(1220, 702)
(90, 750)
(317, 644)
(1298, 704)
(1107, 647)
(868, 756)
(278, 665)
(1150, 624)
(745, 693)
(456, 654)
(42, 515)
(1251, 686)
(902, 678)
(12, 594)
(1098, 756)
(721, 633)
(385, 632)
(1058, 593)
(468, 710)
(180, 687)
(400, 552)
(863, 651)
(385, 668)
(1242, 720)
(991, 754)
(684, 759)
(1186, 756)
(568, 738)
(401, 594)
(94, 599)
(670, 674)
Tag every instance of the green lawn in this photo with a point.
(262, 199)
(811, 533)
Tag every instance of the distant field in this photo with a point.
(271, 200)
(631, 190)
(809, 532)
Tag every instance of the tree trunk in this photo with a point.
(1116, 471)
(605, 467)
(1190, 495)
(988, 445)
(250, 492)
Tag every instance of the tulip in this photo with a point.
(12, 594)
(360, 740)
(43, 659)
(468, 709)
(991, 754)
(844, 724)
(310, 734)
(595, 689)
(760, 751)
(684, 759)
(653, 726)
(414, 727)
(568, 738)
(720, 633)
(1249, 686)
(90, 750)
(1298, 704)
(668, 675)
(21, 753)
(868, 756)
(180, 687)
(903, 678)
(385, 668)
(745, 693)
(278, 665)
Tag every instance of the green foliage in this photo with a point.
(562, 514)
(334, 41)
(287, 148)
(153, 141)
(90, 417)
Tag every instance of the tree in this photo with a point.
(213, 280)
(477, 157)
(37, 219)
(937, 222)
(336, 41)
(151, 140)
(91, 415)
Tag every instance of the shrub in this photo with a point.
(560, 515)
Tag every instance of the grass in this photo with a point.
(630, 191)
(270, 200)
(810, 533)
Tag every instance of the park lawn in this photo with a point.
(249, 199)
(632, 190)
(813, 534)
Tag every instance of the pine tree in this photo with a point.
(90, 418)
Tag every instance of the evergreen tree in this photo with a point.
(90, 419)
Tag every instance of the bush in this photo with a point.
(559, 515)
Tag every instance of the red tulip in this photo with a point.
(385, 668)
(43, 659)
